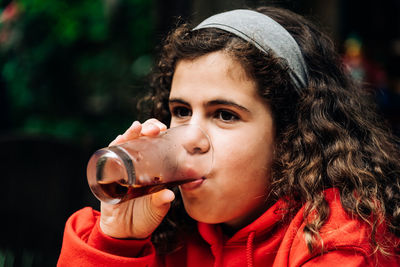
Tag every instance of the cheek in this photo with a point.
(243, 156)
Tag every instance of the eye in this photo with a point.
(226, 116)
(181, 112)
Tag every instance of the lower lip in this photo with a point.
(192, 185)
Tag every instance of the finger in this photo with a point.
(131, 133)
(116, 141)
(160, 125)
(152, 127)
(162, 199)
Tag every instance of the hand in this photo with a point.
(136, 218)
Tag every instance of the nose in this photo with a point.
(195, 140)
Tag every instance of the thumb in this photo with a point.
(161, 201)
(158, 206)
(150, 210)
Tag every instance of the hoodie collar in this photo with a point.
(212, 233)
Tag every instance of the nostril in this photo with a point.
(197, 150)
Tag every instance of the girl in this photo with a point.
(305, 173)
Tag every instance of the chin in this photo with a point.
(202, 215)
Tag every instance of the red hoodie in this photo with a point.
(265, 242)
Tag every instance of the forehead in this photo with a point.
(219, 60)
(216, 74)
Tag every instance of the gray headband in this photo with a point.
(266, 34)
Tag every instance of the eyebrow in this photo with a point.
(214, 102)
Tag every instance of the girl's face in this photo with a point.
(215, 92)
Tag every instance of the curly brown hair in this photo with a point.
(327, 135)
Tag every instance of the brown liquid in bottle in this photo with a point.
(123, 191)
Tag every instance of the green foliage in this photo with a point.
(73, 68)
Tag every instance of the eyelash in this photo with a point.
(176, 112)
(218, 114)
(221, 112)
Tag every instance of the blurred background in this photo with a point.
(72, 71)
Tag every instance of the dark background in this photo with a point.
(71, 73)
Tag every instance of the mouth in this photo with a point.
(192, 185)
